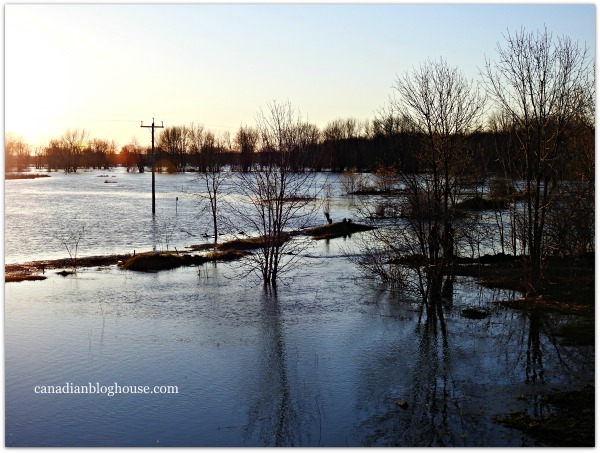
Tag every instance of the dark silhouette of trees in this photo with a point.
(343, 141)
(545, 87)
(66, 152)
(17, 153)
(173, 146)
(133, 156)
(442, 108)
(196, 135)
(393, 140)
(246, 141)
(99, 153)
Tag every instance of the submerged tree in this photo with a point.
(442, 108)
(211, 181)
(17, 153)
(174, 142)
(545, 86)
(274, 199)
(246, 141)
(66, 151)
(70, 234)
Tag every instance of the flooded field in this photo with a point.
(326, 361)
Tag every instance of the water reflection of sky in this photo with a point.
(321, 363)
(117, 215)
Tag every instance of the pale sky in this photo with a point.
(108, 67)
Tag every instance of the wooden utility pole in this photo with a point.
(153, 195)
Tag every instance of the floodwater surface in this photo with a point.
(321, 362)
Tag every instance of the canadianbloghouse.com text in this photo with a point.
(109, 390)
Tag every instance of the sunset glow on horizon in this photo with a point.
(106, 68)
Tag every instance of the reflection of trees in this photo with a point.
(276, 417)
(458, 374)
(433, 414)
(432, 383)
(534, 367)
(539, 345)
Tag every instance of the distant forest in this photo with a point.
(343, 145)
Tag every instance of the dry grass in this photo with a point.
(33, 269)
(225, 255)
(249, 243)
(25, 176)
(153, 262)
(23, 277)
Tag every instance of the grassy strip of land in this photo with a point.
(33, 269)
(154, 261)
(241, 244)
(330, 231)
(226, 251)
(150, 261)
(24, 176)
(22, 278)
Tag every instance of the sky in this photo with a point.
(107, 68)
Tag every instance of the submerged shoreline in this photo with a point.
(33, 270)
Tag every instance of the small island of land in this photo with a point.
(25, 176)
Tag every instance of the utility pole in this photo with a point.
(153, 195)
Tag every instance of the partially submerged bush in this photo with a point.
(225, 255)
(154, 262)
(483, 204)
(248, 244)
(337, 229)
(473, 313)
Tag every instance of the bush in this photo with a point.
(154, 262)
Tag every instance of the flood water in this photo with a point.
(321, 363)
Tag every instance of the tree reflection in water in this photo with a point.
(455, 389)
(534, 366)
(430, 419)
(279, 414)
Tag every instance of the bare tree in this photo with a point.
(174, 141)
(69, 234)
(98, 152)
(340, 139)
(352, 181)
(246, 141)
(17, 152)
(132, 155)
(196, 135)
(545, 86)
(443, 108)
(212, 180)
(274, 200)
(70, 148)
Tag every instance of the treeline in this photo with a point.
(342, 145)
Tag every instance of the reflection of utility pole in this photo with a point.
(153, 127)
